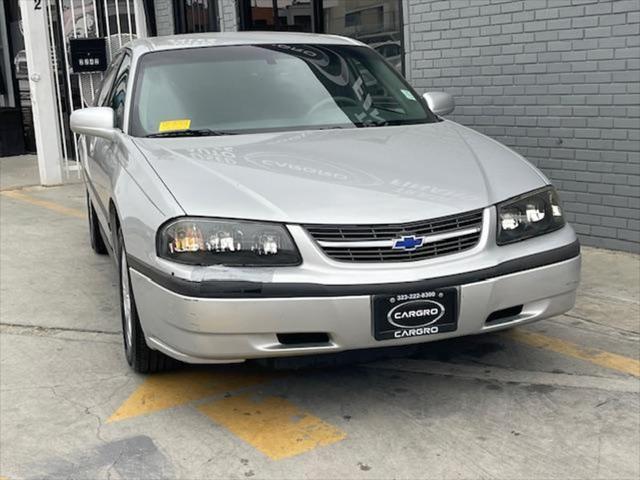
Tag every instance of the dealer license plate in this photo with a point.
(415, 314)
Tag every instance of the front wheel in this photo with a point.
(140, 357)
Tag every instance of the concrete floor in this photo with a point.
(18, 171)
(556, 399)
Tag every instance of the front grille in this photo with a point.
(441, 236)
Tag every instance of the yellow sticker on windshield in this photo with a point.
(171, 125)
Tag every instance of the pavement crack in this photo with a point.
(114, 463)
(44, 330)
(14, 188)
(509, 375)
(99, 381)
(635, 335)
(86, 409)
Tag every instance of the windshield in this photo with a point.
(259, 88)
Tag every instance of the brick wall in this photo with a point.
(558, 81)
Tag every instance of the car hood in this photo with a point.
(367, 175)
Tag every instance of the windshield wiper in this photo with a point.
(332, 127)
(201, 132)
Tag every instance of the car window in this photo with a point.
(107, 81)
(119, 90)
(255, 88)
(382, 97)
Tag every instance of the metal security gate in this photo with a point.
(69, 19)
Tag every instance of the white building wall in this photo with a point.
(164, 17)
(228, 12)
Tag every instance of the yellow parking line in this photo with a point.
(23, 197)
(595, 356)
(272, 425)
(169, 390)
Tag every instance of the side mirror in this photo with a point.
(440, 103)
(94, 121)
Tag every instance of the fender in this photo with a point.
(138, 193)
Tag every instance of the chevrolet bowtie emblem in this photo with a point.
(408, 243)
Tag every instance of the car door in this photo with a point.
(105, 152)
(90, 143)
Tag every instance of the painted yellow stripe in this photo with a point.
(55, 207)
(272, 425)
(595, 356)
(172, 389)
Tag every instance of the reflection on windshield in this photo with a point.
(258, 88)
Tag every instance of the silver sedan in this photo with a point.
(272, 195)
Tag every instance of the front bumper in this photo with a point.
(233, 325)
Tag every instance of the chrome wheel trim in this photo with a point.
(126, 301)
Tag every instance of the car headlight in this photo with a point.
(201, 241)
(529, 215)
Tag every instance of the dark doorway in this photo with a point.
(16, 125)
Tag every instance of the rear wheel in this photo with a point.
(139, 356)
(95, 236)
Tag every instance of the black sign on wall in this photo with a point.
(88, 54)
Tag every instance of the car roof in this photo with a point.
(197, 40)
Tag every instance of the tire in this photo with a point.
(140, 357)
(95, 236)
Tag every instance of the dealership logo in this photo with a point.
(408, 243)
(415, 314)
